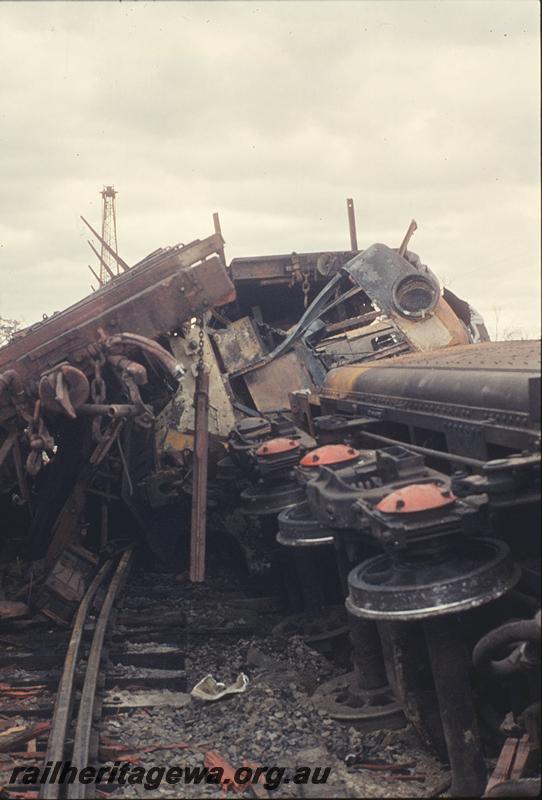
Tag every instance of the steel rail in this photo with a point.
(83, 727)
(64, 697)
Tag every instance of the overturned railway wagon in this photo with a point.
(362, 454)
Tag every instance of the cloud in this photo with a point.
(272, 114)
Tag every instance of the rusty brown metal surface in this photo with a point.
(442, 329)
(269, 385)
(67, 523)
(56, 367)
(199, 491)
(67, 582)
(281, 267)
(478, 398)
(304, 406)
(149, 299)
(239, 344)
(510, 764)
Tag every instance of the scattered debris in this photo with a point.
(11, 609)
(210, 689)
(215, 761)
(11, 739)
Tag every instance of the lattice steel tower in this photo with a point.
(109, 234)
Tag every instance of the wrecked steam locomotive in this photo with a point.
(369, 450)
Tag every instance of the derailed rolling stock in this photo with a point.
(353, 445)
(436, 531)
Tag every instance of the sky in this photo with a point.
(272, 114)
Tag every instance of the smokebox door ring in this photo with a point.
(415, 296)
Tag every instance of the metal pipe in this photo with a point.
(527, 630)
(150, 346)
(199, 486)
(450, 668)
(132, 368)
(426, 451)
(114, 410)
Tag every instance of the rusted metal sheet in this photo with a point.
(304, 406)
(442, 329)
(239, 344)
(178, 418)
(67, 582)
(269, 385)
(150, 299)
(281, 267)
(409, 297)
(60, 366)
(395, 306)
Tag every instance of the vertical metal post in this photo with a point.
(199, 487)
(408, 236)
(216, 222)
(352, 224)
(450, 668)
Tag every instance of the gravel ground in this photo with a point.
(273, 723)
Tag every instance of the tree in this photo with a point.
(502, 334)
(7, 328)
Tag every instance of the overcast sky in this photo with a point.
(273, 114)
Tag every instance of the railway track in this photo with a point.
(114, 689)
(58, 747)
(87, 668)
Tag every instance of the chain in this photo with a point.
(305, 286)
(201, 341)
(39, 440)
(97, 386)
(299, 276)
